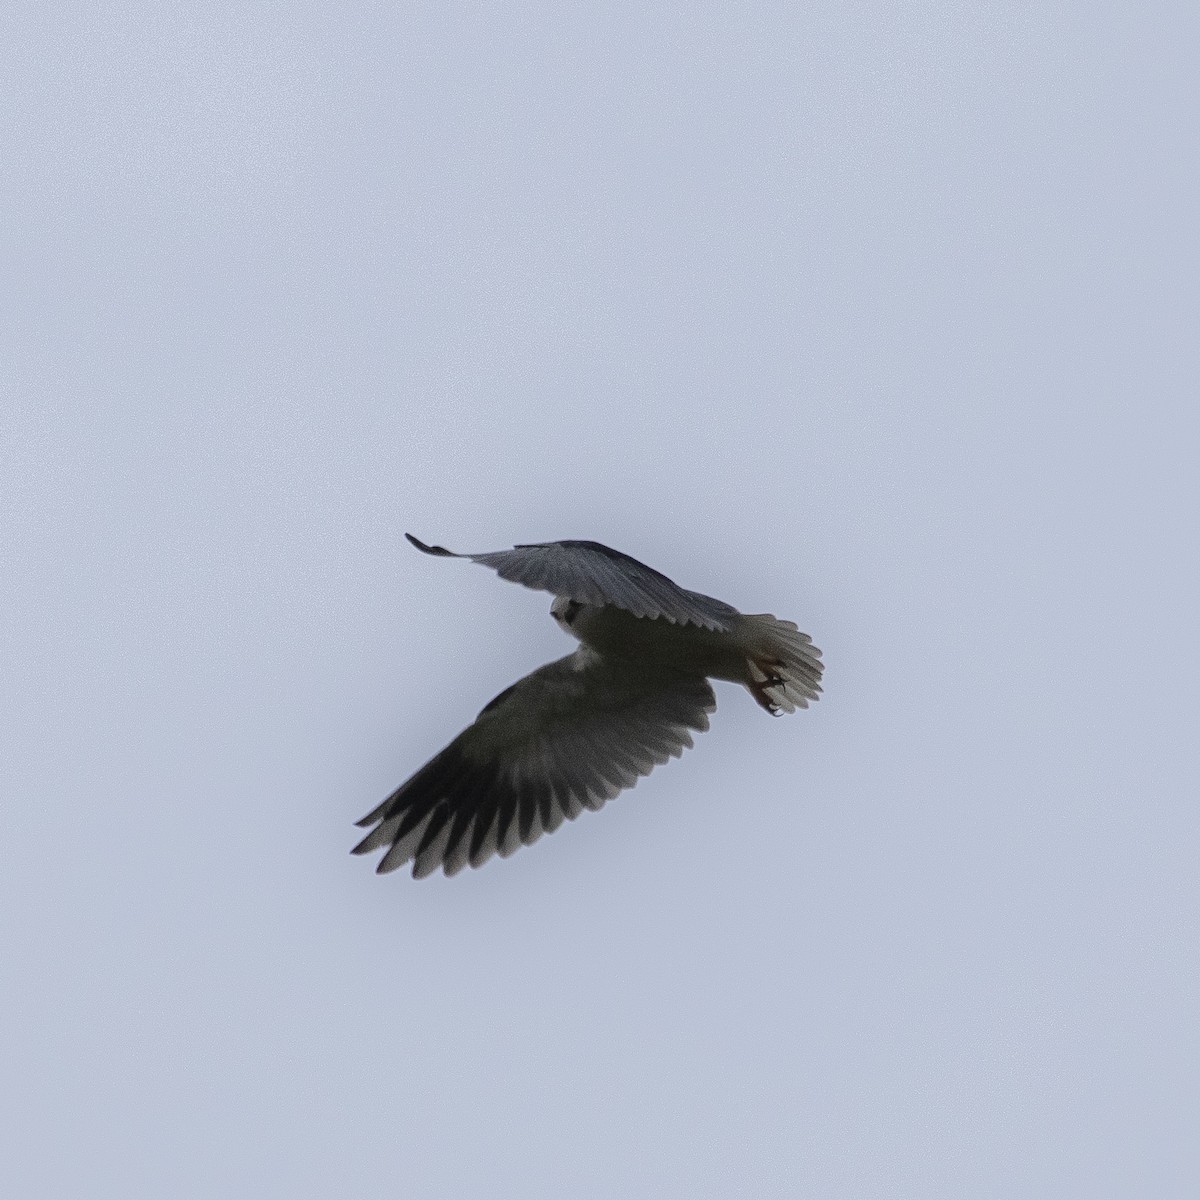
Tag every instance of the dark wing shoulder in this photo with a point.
(566, 738)
(593, 573)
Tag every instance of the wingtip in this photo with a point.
(440, 551)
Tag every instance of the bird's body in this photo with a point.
(613, 633)
(574, 733)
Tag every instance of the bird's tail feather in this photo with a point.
(785, 667)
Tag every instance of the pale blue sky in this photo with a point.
(882, 317)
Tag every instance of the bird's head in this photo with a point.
(564, 610)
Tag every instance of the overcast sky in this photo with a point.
(880, 317)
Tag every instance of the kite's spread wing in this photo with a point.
(594, 574)
(567, 737)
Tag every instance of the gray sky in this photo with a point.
(880, 317)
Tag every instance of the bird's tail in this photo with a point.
(784, 666)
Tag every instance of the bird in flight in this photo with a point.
(573, 734)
